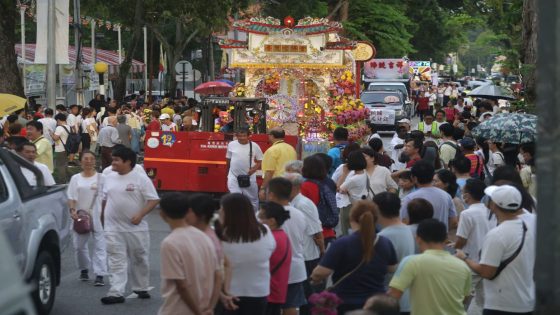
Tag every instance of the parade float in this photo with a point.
(306, 72)
(300, 76)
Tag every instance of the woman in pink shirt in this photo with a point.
(274, 215)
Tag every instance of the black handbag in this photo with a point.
(244, 181)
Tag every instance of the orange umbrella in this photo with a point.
(213, 88)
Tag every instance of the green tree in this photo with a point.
(384, 24)
(295, 8)
(10, 80)
(179, 22)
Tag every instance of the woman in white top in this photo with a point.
(496, 157)
(247, 245)
(83, 196)
(380, 179)
(354, 183)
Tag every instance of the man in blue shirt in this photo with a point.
(340, 137)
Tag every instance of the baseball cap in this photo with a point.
(404, 121)
(467, 143)
(484, 116)
(506, 197)
(164, 116)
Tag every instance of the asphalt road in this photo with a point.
(76, 297)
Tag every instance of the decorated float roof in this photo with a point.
(307, 43)
(304, 27)
(270, 25)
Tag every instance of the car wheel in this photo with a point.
(44, 280)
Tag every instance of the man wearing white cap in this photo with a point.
(397, 144)
(167, 124)
(508, 256)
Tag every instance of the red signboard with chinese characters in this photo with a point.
(389, 69)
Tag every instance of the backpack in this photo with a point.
(328, 211)
(73, 142)
(478, 172)
(458, 152)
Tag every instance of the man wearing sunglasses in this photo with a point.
(508, 256)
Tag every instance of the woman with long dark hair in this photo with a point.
(248, 245)
(315, 169)
(380, 179)
(274, 215)
(354, 184)
(358, 262)
(446, 180)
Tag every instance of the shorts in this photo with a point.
(295, 296)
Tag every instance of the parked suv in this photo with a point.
(36, 222)
(387, 107)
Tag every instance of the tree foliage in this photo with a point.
(384, 24)
(296, 8)
(10, 80)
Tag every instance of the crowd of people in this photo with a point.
(441, 223)
(97, 127)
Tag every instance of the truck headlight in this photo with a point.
(398, 112)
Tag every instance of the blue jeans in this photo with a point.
(135, 141)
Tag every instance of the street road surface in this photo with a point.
(75, 297)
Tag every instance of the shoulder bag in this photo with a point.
(332, 287)
(369, 192)
(275, 269)
(244, 181)
(84, 223)
(506, 262)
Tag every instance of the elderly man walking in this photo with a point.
(107, 139)
(275, 158)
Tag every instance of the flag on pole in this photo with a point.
(62, 8)
(162, 63)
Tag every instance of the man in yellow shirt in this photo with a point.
(438, 281)
(44, 147)
(275, 158)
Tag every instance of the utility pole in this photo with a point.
(211, 59)
(51, 55)
(547, 273)
(93, 54)
(23, 50)
(145, 60)
(78, 86)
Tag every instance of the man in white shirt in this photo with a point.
(128, 197)
(314, 246)
(473, 227)
(28, 151)
(49, 124)
(507, 260)
(244, 157)
(60, 136)
(396, 148)
(279, 191)
(73, 120)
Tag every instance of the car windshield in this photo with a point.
(384, 98)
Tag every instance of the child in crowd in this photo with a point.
(406, 185)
